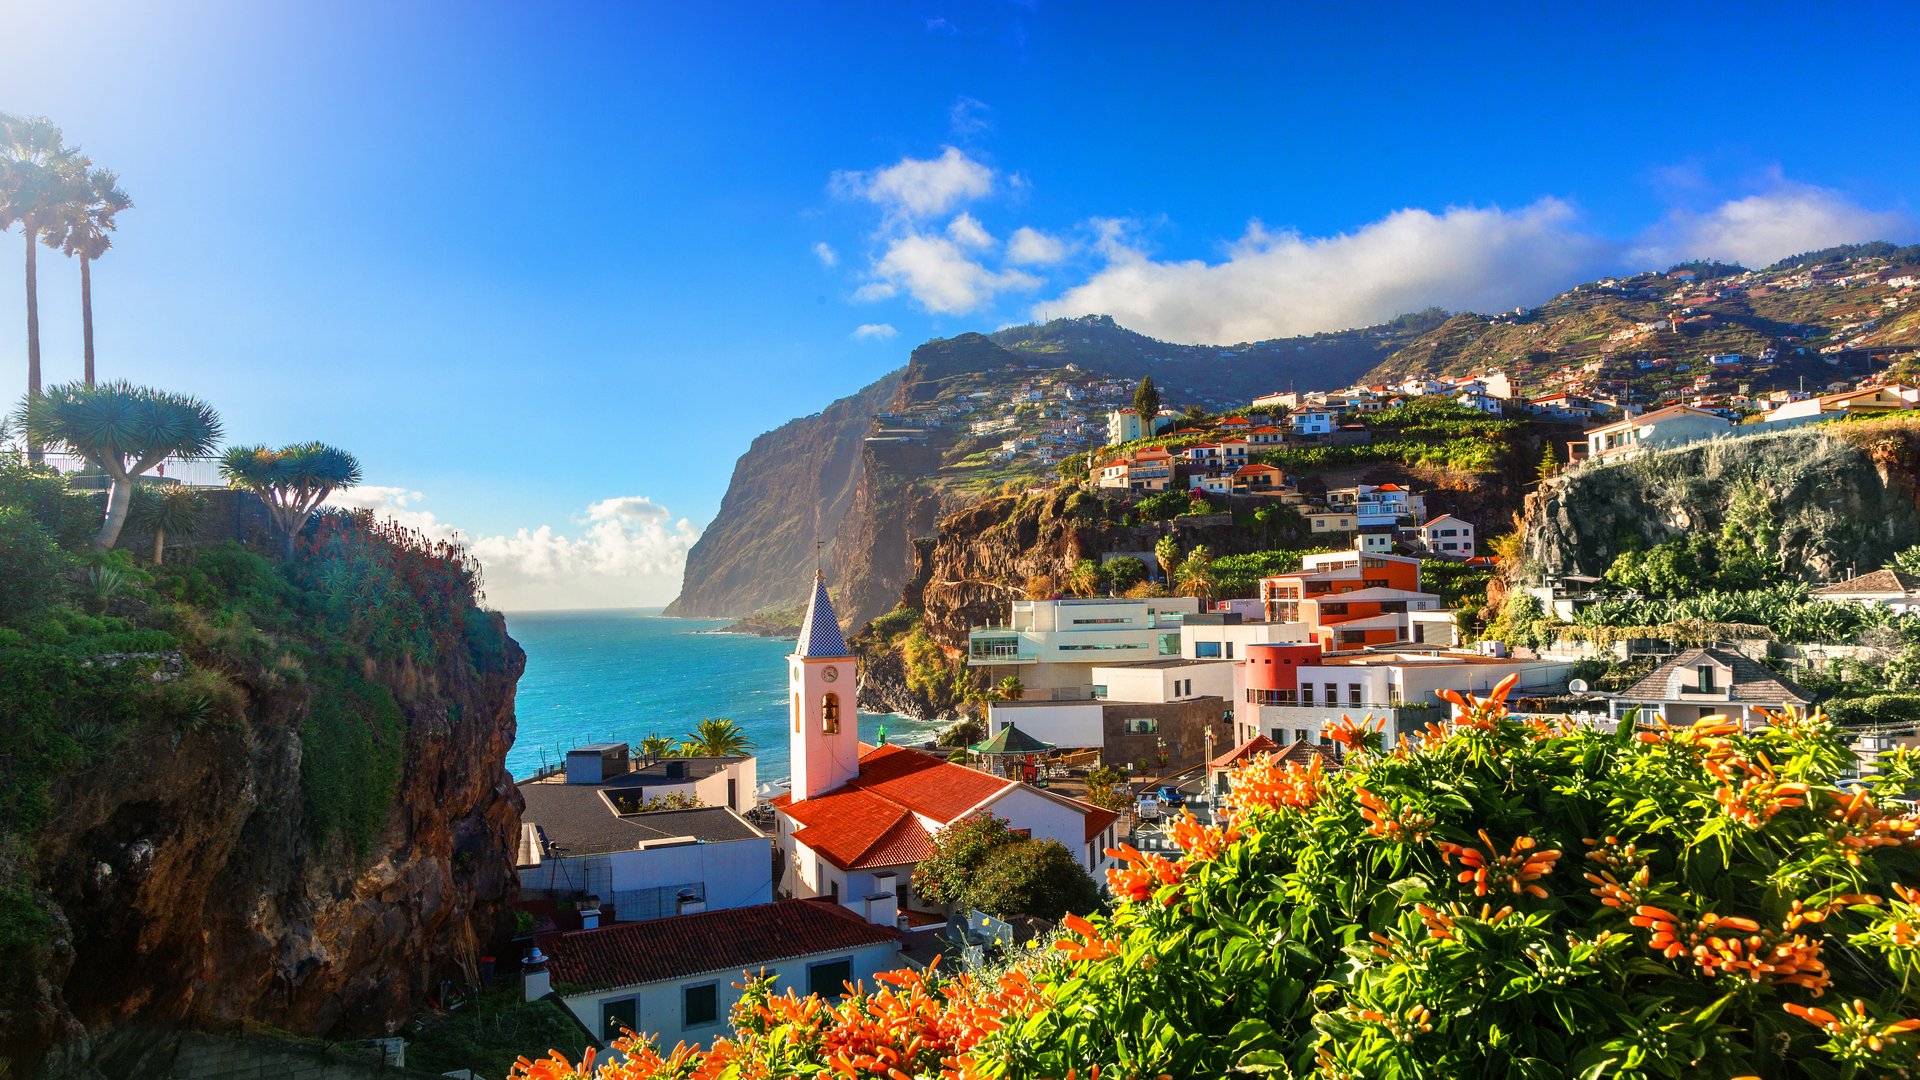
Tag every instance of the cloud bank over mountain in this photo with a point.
(930, 246)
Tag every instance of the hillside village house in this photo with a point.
(1448, 535)
(1895, 590)
(1708, 682)
(1675, 425)
(1149, 469)
(1865, 402)
(1266, 435)
(858, 818)
(1311, 422)
(678, 979)
(1123, 425)
(1258, 479)
(585, 834)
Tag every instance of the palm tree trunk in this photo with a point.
(34, 454)
(86, 314)
(119, 499)
(159, 543)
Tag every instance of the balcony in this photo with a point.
(981, 653)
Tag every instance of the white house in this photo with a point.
(1311, 422)
(674, 979)
(858, 818)
(1895, 590)
(1123, 425)
(1675, 425)
(639, 866)
(1448, 535)
(1707, 682)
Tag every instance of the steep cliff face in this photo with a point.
(791, 489)
(817, 479)
(1843, 500)
(184, 884)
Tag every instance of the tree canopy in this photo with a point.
(293, 481)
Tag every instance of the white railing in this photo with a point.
(192, 471)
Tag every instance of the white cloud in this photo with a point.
(1760, 229)
(825, 253)
(1275, 284)
(919, 187)
(967, 231)
(968, 116)
(1031, 247)
(874, 331)
(626, 551)
(939, 275)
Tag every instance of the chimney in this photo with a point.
(589, 913)
(689, 904)
(534, 977)
(676, 770)
(883, 909)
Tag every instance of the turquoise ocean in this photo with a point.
(596, 676)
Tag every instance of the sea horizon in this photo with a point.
(620, 674)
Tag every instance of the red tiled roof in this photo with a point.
(1235, 421)
(850, 828)
(737, 939)
(1259, 744)
(1245, 469)
(1266, 429)
(930, 786)
(1098, 820)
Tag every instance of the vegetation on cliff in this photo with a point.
(355, 649)
(1494, 898)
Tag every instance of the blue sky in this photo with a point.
(552, 267)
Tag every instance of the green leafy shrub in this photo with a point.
(1040, 878)
(32, 579)
(352, 744)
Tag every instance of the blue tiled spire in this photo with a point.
(820, 630)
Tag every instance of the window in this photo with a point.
(699, 1005)
(1142, 725)
(1306, 694)
(829, 980)
(830, 714)
(833, 891)
(1229, 650)
(1099, 690)
(1333, 693)
(619, 1017)
(1207, 650)
(733, 793)
(1706, 678)
(1353, 693)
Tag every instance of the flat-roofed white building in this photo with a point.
(1288, 694)
(1052, 646)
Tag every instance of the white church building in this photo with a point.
(858, 817)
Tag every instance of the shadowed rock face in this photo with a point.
(186, 888)
(816, 479)
(1843, 501)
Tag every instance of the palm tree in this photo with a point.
(173, 509)
(1009, 689)
(293, 480)
(40, 176)
(715, 737)
(124, 431)
(90, 222)
(1085, 578)
(655, 746)
(1195, 574)
(1166, 551)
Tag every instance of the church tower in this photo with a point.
(823, 725)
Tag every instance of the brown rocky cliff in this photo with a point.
(186, 887)
(791, 489)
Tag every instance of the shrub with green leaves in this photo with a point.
(1498, 898)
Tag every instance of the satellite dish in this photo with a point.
(1577, 686)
